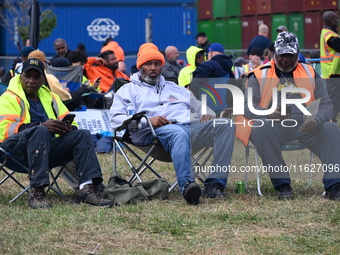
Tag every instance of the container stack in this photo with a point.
(234, 23)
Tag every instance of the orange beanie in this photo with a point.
(147, 52)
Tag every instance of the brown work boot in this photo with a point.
(90, 194)
(37, 198)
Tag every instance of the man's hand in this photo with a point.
(159, 121)
(277, 115)
(206, 117)
(310, 127)
(101, 62)
(57, 126)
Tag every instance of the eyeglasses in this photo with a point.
(60, 48)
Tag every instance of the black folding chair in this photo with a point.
(11, 166)
(154, 151)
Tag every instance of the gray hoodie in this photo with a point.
(164, 99)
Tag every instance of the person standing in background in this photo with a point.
(330, 58)
(261, 41)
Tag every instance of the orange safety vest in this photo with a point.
(268, 79)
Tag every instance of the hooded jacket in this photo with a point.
(164, 99)
(14, 107)
(218, 66)
(185, 75)
(107, 75)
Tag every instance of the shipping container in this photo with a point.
(249, 30)
(207, 26)
(219, 9)
(312, 5)
(278, 20)
(329, 4)
(296, 25)
(116, 2)
(248, 7)
(313, 26)
(234, 28)
(233, 8)
(295, 5)
(205, 9)
(263, 7)
(91, 23)
(280, 6)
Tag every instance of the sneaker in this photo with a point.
(90, 194)
(333, 193)
(192, 192)
(37, 198)
(213, 190)
(285, 192)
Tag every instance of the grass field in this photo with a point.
(238, 224)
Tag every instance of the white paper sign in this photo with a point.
(94, 120)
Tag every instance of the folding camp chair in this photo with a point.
(154, 151)
(11, 166)
(290, 146)
(70, 76)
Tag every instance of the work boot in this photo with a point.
(90, 194)
(37, 198)
(333, 193)
(192, 192)
(285, 192)
(213, 190)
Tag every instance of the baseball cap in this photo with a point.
(281, 28)
(33, 63)
(216, 47)
(39, 55)
(60, 62)
(240, 60)
(25, 51)
(286, 43)
(200, 34)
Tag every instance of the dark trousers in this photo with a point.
(39, 151)
(325, 143)
(333, 89)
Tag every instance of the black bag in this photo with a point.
(122, 192)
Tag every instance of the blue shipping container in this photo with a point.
(92, 22)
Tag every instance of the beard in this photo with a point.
(150, 80)
(114, 67)
(286, 69)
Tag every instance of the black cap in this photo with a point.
(200, 34)
(33, 63)
(60, 62)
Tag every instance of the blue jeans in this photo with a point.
(39, 151)
(181, 140)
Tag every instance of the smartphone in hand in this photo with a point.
(68, 119)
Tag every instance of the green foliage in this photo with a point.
(48, 21)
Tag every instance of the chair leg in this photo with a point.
(258, 181)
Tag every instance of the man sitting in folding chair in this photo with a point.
(293, 80)
(176, 117)
(32, 131)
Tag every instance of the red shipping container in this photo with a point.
(204, 9)
(265, 19)
(249, 30)
(313, 26)
(280, 6)
(295, 5)
(329, 4)
(312, 5)
(248, 7)
(263, 6)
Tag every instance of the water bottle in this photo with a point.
(130, 110)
